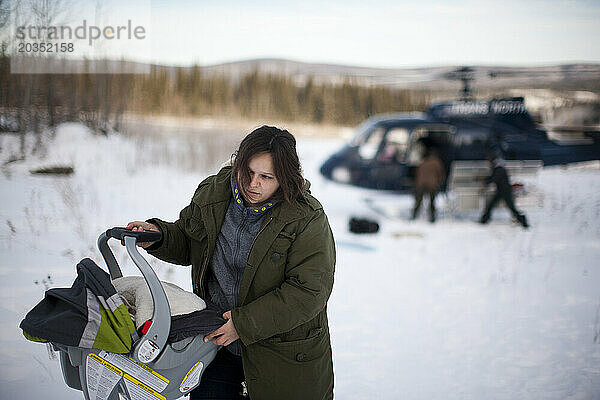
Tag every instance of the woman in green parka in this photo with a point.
(261, 249)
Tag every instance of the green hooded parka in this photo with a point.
(282, 315)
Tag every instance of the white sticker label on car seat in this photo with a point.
(101, 377)
(139, 391)
(192, 378)
(148, 351)
(141, 372)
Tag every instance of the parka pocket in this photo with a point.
(283, 241)
(291, 370)
(280, 247)
(312, 347)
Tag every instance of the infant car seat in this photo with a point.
(155, 368)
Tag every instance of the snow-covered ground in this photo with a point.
(452, 310)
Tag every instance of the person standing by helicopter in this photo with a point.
(429, 177)
(499, 177)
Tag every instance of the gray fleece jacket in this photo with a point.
(227, 265)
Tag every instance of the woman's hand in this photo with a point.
(142, 226)
(225, 335)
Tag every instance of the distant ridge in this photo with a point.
(425, 77)
(580, 76)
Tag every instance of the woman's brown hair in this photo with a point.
(281, 145)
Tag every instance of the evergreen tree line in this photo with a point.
(100, 100)
(258, 95)
(36, 101)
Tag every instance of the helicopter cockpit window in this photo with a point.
(396, 143)
(370, 145)
(362, 133)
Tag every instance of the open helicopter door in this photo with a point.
(438, 137)
(399, 149)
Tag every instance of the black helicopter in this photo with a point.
(387, 148)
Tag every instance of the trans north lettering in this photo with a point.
(464, 108)
(483, 108)
(507, 107)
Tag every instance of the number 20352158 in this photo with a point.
(43, 47)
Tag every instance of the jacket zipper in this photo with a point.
(202, 271)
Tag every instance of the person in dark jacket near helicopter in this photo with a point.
(499, 177)
(261, 248)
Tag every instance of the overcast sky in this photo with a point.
(365, 32)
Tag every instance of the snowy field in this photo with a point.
(453, 310)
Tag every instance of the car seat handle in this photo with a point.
(120, 234)
(109, 258)
(152, 343)
(141, 236)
